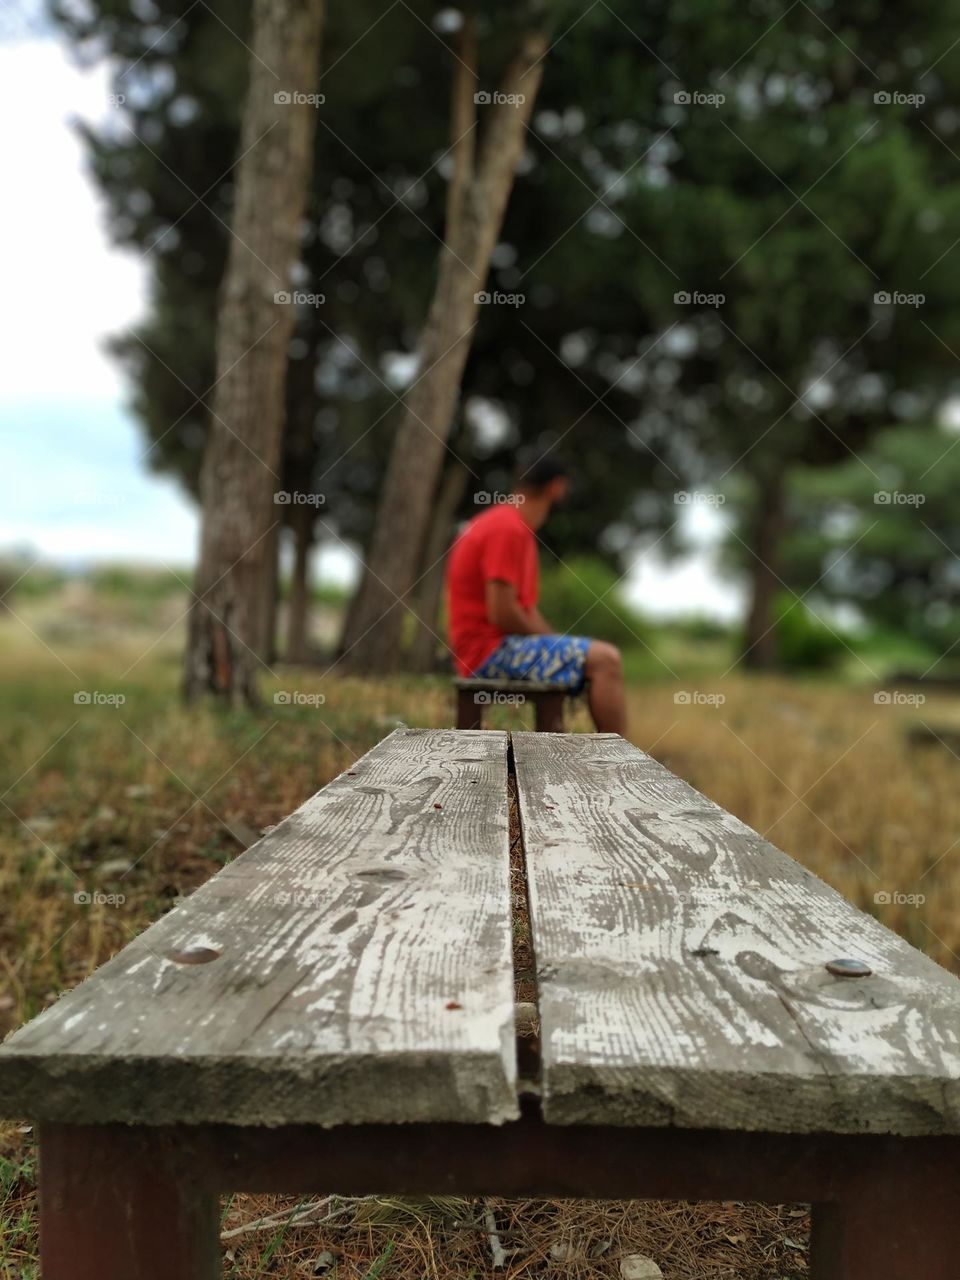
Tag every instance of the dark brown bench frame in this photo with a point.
(138, 1203)
(547, 701)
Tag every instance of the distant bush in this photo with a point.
(141, 582)
(804, 643)
(19, 578)
(698, 626)
(581, 595)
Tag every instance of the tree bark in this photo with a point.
(242, 463)
(267, 647)
(761, 651)
(476, 201)
(423, 648)
(298, 643)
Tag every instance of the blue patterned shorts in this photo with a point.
(559, 660)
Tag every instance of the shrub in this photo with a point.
(582, 596)
(804, 643)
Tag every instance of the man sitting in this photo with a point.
(496, 630)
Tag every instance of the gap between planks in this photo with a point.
(526, 991)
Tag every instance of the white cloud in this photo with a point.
(64, 288)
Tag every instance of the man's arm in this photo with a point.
(507, 614)
(541, 625)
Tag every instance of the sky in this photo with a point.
(74, 483)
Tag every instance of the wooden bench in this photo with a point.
(334, 1011)
(474, 695)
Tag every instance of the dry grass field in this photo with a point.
(142, 800)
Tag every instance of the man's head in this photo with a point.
(542, 481)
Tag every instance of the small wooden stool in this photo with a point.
(475, 694)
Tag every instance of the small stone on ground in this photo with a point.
(636, 1266)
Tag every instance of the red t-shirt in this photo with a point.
(496, 544)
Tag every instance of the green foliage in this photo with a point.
(882, 531)
(804, 642)
(581, 596)
(797, 197)
(20, 578)
(138, 582)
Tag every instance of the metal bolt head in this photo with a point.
(847, 968)
(194, 955)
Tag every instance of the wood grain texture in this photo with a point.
(363, 974)
(680, 961)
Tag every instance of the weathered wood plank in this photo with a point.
(681, 966)
(363, 969)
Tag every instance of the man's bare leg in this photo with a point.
(608, 705)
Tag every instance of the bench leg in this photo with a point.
(898, 1223)
(548, 708)
(469, 711)
(119, 1204)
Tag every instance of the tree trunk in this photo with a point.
(761, 652)
(242, 462)
(267, 647)
(423, 649)
(476, 202)
(298, 643)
